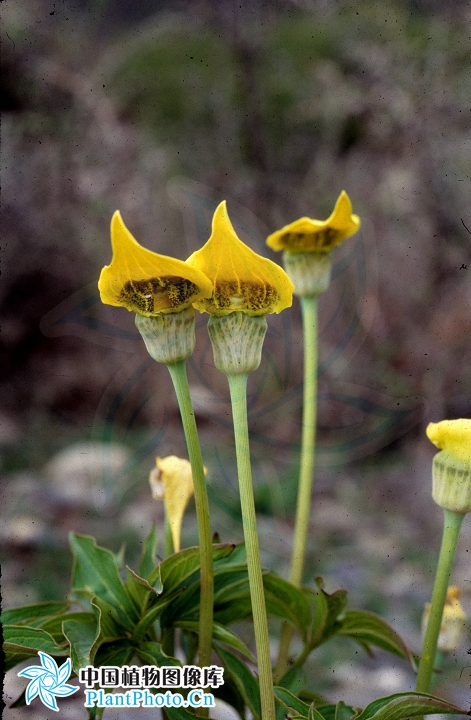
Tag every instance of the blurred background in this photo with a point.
(162, 109)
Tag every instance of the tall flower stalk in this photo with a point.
(451, 476)
(245, 288)
(161, 290)
(307, 244)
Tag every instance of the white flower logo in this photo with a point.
(48, 681)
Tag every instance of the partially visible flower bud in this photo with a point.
(453, 626)
(451, 472)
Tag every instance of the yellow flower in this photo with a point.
(453, 625)
(453, 436)
(306, 235)
(241, 280)
(172, 480)
(147, 283)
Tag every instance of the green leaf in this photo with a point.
(246, 683)
(119, 556)
(229, 582)
(237, 557)
(151, 615)
(140, 590)
(148, 559)
(95, 713)
(118, 652)
(177, 568)
(96, 572)
(110, 628)
(405, 705)
(320, 612)
(286, 601)
(293, 680)
(54, 625)
(81, 634)
(293, 704)
(222, 634)
(152, 654)
(336, 603)
(31, 613)
(82, 598)
(368, 628)
(310, 696)
(327, 610)
(22, 642)
(109, 622)
(315, 714)
(180, 714)
(234, 611)
(340, 711)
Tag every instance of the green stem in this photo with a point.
(451, 531)
(306, 470)
(437, 667)
(180, 383)
(238, 391)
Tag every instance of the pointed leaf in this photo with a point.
(31, 613)
(243, 678)
(234, 611)
(151, 615)
(22, 642)
(54, 625)
(315, 714)
(151, 653)
(118, 652)
(222, 634)
(177, 568)
(81, 634)
(340, 711)
(293, 680)
(286, 601)
(108, 620)
(237, 557)
(320, 612)
(229, 582)
(368, 628)
(95, 571)
(405, 705)
(140, 590)
(294, 705)
(148, 559)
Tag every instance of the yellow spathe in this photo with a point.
(242, 280)
(143, 281)
(172, 480)
(453, 436)
(306, 235)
